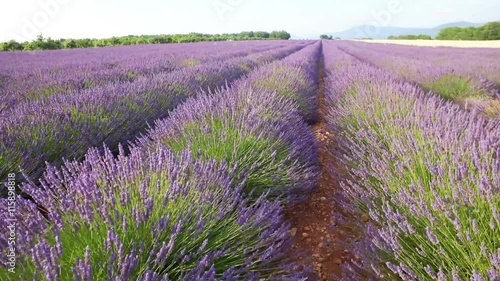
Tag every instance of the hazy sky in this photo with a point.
(23, 19)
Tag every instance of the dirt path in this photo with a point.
(319, 240)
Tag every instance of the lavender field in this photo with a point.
(253, 160)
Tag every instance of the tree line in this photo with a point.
(328, 37)
(489, 31)
(41, 43)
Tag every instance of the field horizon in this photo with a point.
(439, 43)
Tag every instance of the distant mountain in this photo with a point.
(459, 24)
(368, 31)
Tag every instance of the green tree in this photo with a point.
(450, 33)
(84, 43)
(490, 31)
(247, 34)
(281, 35)
(41, 43)
(262, 34)
(69, 44)
(424, 37)
(12, 45)
(99, 43)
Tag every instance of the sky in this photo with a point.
(24, 19)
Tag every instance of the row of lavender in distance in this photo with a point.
(424, 172)
(256, 125)
(296, 78)
(158, 215)
(67, 126)
(28, 77)
(481, 61)
(463, 76)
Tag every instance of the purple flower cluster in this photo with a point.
(194, 198)
(457, 75)
(421, 63)
(66, 126)
(255, 125)
(425, 172)
(261, 134)
(295, 77)
(26, 77)
(148, 216)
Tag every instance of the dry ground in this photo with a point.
(439, 43)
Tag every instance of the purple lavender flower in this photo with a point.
(159, 240)
(423, 169)
(66, 126)
(261, 133)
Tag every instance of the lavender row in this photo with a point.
(63, 72)
(163, 212)
(258, 125)
(296, 78)
(424, 171)
(67, 126)
(461, 79)
(481, 61)
(146, 216)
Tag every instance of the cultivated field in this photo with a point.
(440, 43)
(262, 160)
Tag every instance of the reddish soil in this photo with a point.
(319, 240)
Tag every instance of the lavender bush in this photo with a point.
(295, 77)
(28, 77)
(66, 126)
(424, 171)
(257, 129)
(457, 75)
(149, 216)
(262, 133)
(161, 212)
(483, 61)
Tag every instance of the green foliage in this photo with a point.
(453, 87)
(11, 46)
(42, 43)
(69, 44)
(489, 31)
(280, 35)
(262, 34)
(326, 37)
(466, 92)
